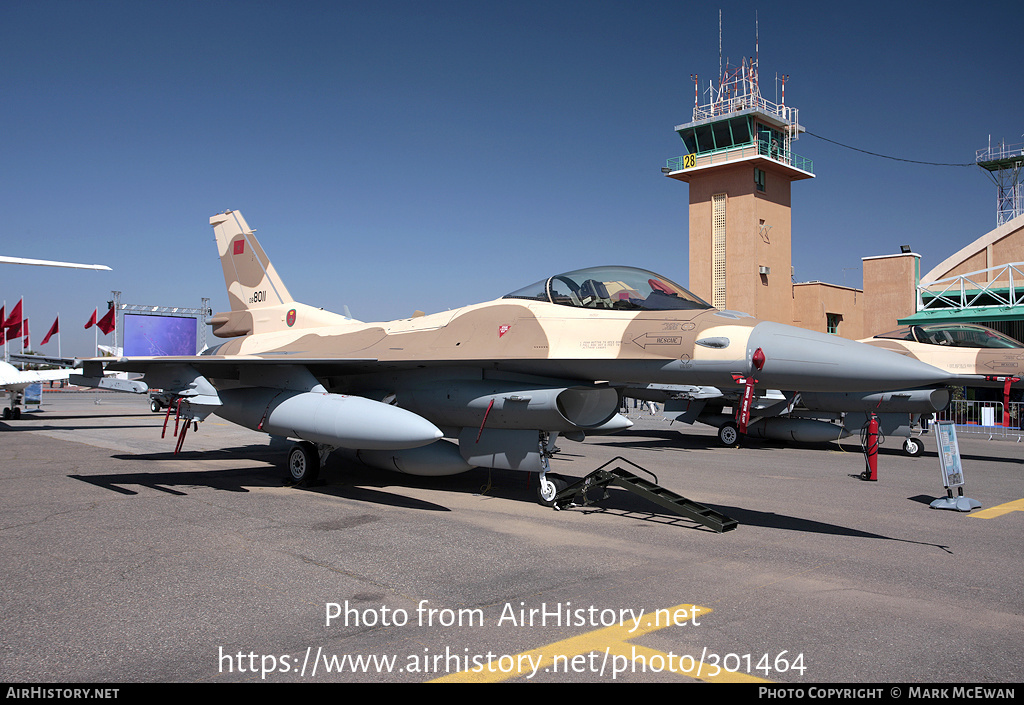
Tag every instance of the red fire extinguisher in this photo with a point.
(871, 450)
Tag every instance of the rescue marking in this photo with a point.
(656, 339)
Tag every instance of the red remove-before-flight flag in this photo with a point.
(13, 322)
(54, 329)
(92, 320)
(107, 323)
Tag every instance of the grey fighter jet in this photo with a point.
(976, 355)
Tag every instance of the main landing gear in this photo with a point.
(729, 435)
(13, 412)
(305, 460)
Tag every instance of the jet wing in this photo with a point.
(11, 378)
(227, 366)
(44, 360)
(51, 263)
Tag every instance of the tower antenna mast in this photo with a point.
(719, 45)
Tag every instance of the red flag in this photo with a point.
(106, 324)
(13, 322)
(53, 330)
(25, 344)
(92, 320)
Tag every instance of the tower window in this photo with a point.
(759, 179)
(718, 268)
(832, 321)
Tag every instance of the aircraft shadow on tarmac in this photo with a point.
(342, 478)
(680, 440)
(103, 414)
(6, 427)
(350, 480)
(621, 502)
(772, 520)
(340, 482)
(235, 480)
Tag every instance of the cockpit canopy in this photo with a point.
(614, 288)
(956, 335)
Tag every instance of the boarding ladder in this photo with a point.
(576, 495)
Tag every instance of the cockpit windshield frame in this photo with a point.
(612, 288)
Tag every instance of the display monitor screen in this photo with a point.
(159, 335)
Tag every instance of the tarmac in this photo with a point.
(124, 562)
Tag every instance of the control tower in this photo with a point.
(1005, 164)
(739, 165)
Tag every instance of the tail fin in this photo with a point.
(251, 279)
(260, 302)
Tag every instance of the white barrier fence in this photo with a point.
(985, 418)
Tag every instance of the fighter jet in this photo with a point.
(487, 385)
(961, 348)
(14, 382)
(800, 417)
(975, 354)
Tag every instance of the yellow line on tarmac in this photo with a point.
(602, 644)
(999, 510)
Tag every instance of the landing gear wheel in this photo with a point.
(154, 406)
(17, 412)
(729, 435)
(303, 463)
(549, 486)
(913, 447)
(7, 414)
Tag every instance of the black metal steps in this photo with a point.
(577, 494)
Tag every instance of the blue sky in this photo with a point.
(395, 156)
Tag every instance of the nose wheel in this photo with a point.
(913, 447)
(548, 487)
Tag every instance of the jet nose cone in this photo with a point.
(806, 360)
